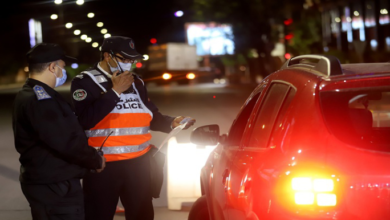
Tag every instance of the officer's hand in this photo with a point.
(103, 165)
(177, 120)
(122, 82)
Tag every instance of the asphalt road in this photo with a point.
(207, 103)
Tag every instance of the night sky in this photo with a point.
(140, 20)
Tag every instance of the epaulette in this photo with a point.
(97, 77)
(41, 93)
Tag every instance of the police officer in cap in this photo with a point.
(110, 99)
(54, 151)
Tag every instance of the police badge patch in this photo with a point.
(41, 93)
(79, 95)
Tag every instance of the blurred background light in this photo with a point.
(80, 2)
(95, 44)
(83, 37)
(179, 13)
(100, 24)
(107, 35)
(58, 2)
(88, 40)
(91, 15)
(103, 31)
(68, 25)
(77, 32)
(74, 65)
(146, 57)
(54, 17)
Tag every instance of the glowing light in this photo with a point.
(95, 44)
(214, 97)
(91, 15)
(54, 17)
(76, 32)
(190, 76)
(166, 76)
(88, 40)
(103, 31)
(153, 40)
(326, 199)
(356, 13)
(349, 19)
(68, 25)
(222, 81)
(107, 35)
(100, 24)
(216, 80)
(80, 2)
(287, 56)
(338, 20)
(301, 184)
(179, 13)
(26, 69)
(83, 37)
(146, 57)
(138, 65)
(323, 185)
(58, 2)
(304, 198)
(74, 65)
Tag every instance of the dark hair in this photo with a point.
(37, 67)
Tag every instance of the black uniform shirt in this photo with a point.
(52, 145)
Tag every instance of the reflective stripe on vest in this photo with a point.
(124, 149)
(117, 131)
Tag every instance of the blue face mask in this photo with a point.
(62, 80)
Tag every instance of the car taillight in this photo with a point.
(167, 76)
(190, 76)
(308, 191)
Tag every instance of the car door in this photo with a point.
(223, 156)
(249, 181)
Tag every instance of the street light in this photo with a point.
(77, 32)
(91, 15)
(95, 44)
(58, 2)
(54, 16)
(107, 35)
(179, 13)
(68, 25)
(83, 37)
(103, 31)
(100, 24)
(146, 57)
(80, 2)
(88, 40)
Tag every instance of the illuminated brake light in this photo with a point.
(323, 185)
(190, 76)
(304, 198)
(326, 199)
(307, 190)
(166, 76)
(301, 184)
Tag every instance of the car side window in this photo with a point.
(237, 129)
(266, 117)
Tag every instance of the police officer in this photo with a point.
(54, 151)
(110, 98)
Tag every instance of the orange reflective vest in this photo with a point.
(129, 123)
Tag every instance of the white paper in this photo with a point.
(171, 134)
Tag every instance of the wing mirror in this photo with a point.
(205, 135)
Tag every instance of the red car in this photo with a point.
(312, 141)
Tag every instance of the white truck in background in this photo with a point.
(171, 62)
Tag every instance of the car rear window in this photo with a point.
(359, 117)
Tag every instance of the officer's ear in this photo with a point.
(52, 67)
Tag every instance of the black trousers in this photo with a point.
(128, 180)
(56, 201)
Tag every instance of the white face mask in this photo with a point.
(124, 66)
(62, 80)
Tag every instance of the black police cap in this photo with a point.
(122, 45)
(47, 52)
